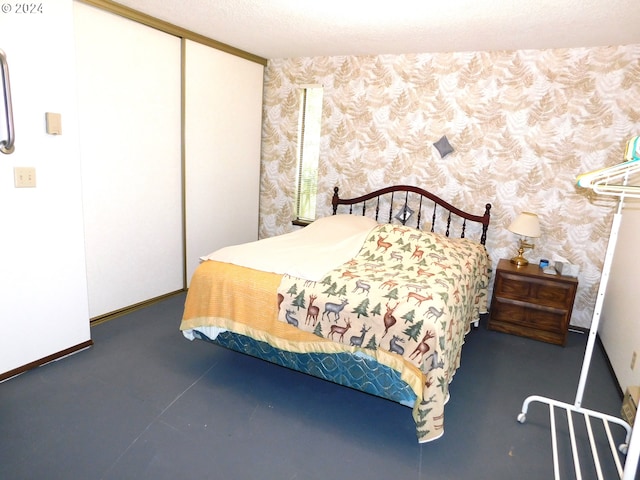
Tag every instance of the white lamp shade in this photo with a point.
(526, 224)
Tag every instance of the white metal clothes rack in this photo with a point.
(605, 182)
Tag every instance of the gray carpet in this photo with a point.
(145, 403)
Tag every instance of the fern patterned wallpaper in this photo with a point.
(523, 125)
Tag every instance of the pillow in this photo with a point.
(343, 223)
(443, 146)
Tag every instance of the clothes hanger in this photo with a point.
(600, 180)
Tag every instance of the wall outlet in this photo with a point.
(634, 355)
(24, 177)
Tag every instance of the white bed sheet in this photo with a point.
(307, 253)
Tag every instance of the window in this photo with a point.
(308, 153)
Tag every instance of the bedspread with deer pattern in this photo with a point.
(408, 292)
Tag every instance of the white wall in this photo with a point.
(43, 290)
(620, 322)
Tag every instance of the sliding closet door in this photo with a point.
(223, 118)
(129, 84)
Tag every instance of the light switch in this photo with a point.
(54, 123)
(24, 177)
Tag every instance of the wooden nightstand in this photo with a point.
(531, 303)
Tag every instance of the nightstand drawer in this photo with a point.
(529, 315)
(541, 292)
(533, 333)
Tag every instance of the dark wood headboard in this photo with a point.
(401, 192)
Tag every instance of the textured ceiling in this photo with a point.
(303, 28)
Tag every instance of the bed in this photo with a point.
(378, 297)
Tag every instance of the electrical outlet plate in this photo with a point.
(24, 177)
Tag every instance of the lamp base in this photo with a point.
(519, 261)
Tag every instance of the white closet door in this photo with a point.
(129, 84)
(223, 118)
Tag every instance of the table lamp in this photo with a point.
(526, 225)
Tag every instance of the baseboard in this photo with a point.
(600, 345)
(610, 366)
(50, 358)
(131, 308)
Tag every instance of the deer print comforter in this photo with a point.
(408, 292)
